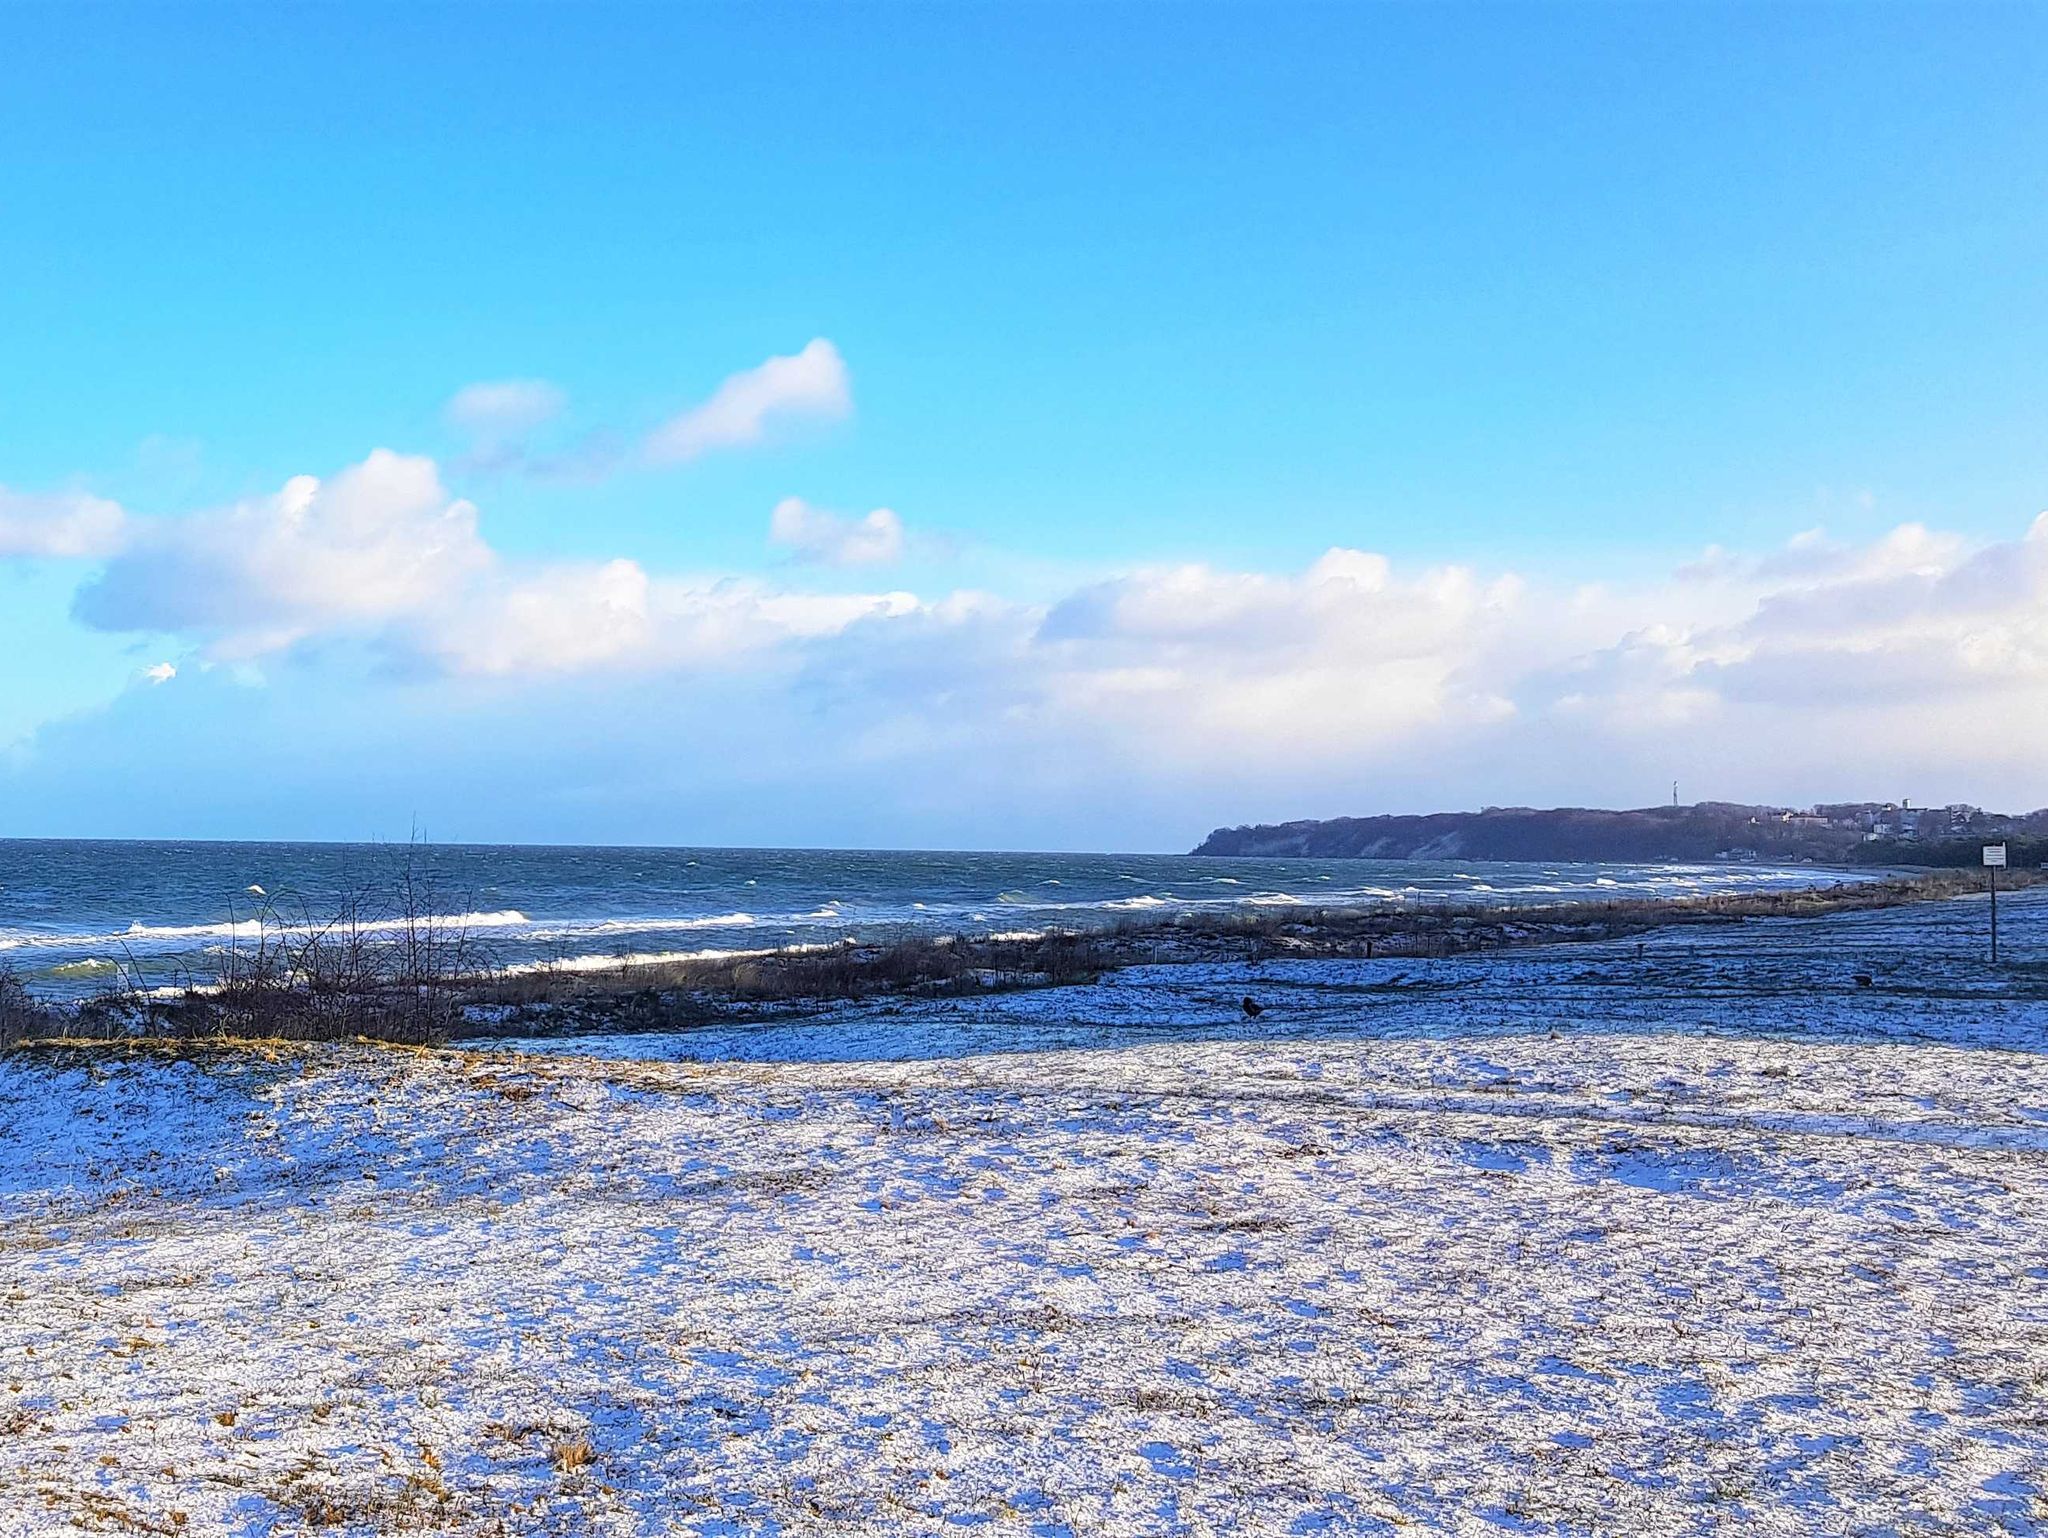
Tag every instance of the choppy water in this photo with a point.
(79, 915)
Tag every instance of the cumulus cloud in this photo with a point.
(1811, 557)
(500, 409)
(382, 553)
(561, 619)
(1346, 656)
(1913, 648)
(1913, 644)
(815, 534)
(615, 618)
(381, 540)
(59, 526)
(745, 408)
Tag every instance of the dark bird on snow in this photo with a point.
(1253, 1008)
(1863, 980)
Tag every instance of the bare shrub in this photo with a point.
(391, 960)
(22, 1016)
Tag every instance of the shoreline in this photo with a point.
(773, 984)
(694, 990)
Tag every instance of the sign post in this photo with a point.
(1994, 859)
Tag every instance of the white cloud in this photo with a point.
(1914, 656)
(1810, 556)
(615, 618)
(1346, 657)
(382, 553)
(501, 418)
(562, 619)
(379, 541)
(1837, 662)
(59, 526)
(814, 534)
(499, 409)
(748, 405)
(161, 672)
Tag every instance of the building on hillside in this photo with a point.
(1804, 820)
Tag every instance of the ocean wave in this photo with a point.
(255, 929)
(583, 929)
(504, 918)
(42, 939)
(605, 961)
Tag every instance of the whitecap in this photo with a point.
(571, 929)
(504, 918)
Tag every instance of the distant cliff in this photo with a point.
(1707, 831)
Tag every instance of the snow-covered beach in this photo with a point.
(1706, 1235)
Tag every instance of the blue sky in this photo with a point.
(1130, 315)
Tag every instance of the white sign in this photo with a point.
(1994, 854)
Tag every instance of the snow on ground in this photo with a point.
(1746, 1246)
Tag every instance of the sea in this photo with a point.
(78, 916)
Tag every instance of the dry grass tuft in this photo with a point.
(571, 1454)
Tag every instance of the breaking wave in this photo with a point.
(254, 929)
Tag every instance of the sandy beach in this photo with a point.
(1709, 1238)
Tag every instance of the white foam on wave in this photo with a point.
(573, 929)
(254, 929)
(504, 918)
(607, 961)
